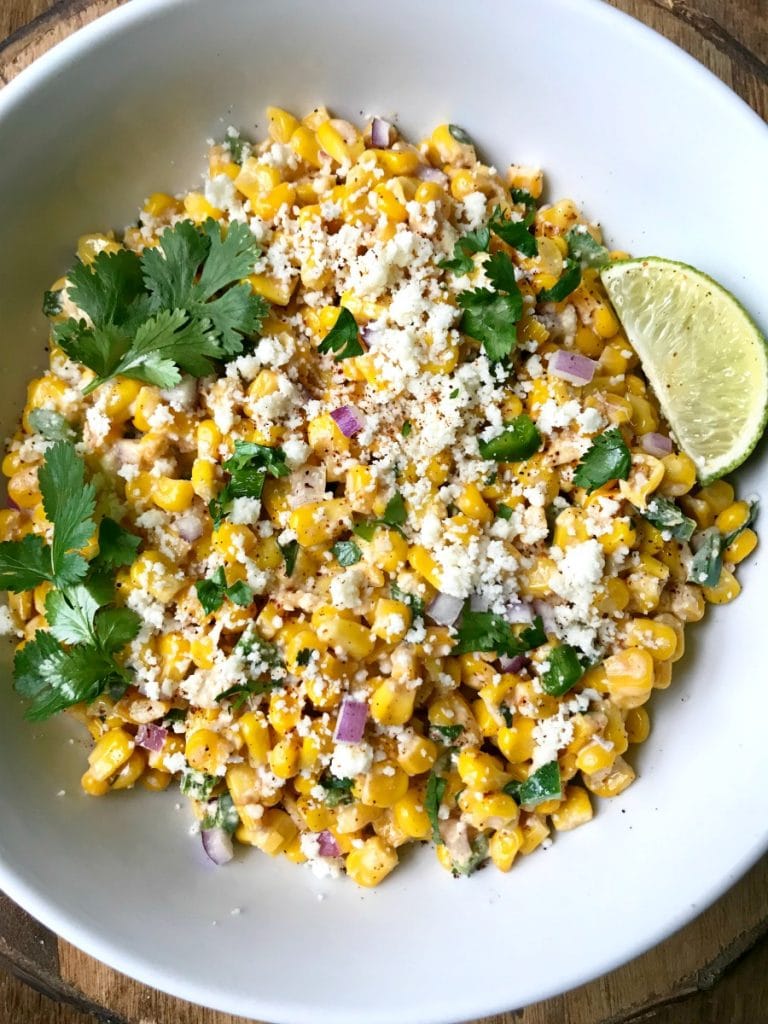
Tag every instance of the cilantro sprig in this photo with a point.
(489, 632)
(515, 232)
(413, 601)
(212, 592)
(583, 248)
(666, 516)
(543, 784)
(394, 517)
(563, 672)
(346, 552)
(707, 562)
(569, 281)
(178, 307)
(264, 670)
(608, 458)
(343, 338)
(248, 469)
(463, 250)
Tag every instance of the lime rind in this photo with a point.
(702, 353)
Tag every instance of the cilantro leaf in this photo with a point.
(608, 458)
(564, 671)
(116, 627)
(117, 546)
(395, 516)
(413, 601)
(489, 632)
(478, 855)
(196, 784)
(583, 248)
(522, 195)
(304, 656)
(212, 592)
(248, 468)
(463, 248)
(406, 428)
(239, 148)
(518, 441)
(51, 425)
(490, 318)
(221, 813)
(69, 503)
(346, 552)
(110, 290)
(543, 784)
(290, 552)
(337, 790)
(501, 270)
(71, 614)
(448, 733)
(515, 232)
(666, 516)
(342, 339)
(707, 563)
(24, 563)
(503, 511)
(432, 799)
(51, 303)
(569, 280)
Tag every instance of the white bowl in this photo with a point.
(672, 163)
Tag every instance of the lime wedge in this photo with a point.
(704, 356)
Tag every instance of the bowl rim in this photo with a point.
(104, 948)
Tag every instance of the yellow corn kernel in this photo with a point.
(256, 179)
(570, 528)
(369, 864)
(516, 742)
(131, 771)
(175, 656)
(233, 540)
(160, 203)
(392, 704)
(282, 125)
(154, 573)
(285, 708)
(198, 209)
(360, 488)
(490, 810)
(391, 620)
(201, 651)
(172, 495)
(535, 830)
(425, 565)
(481, 772)
(305, 145)
(416, 754)
(156, 780)
(644, 478)
(352, 818)
(658, 638)
(472, 504)
(718, 495)
(93, 786)
(206, 751)
(110, 753)
(273, 833)
(346, 637)
(679, 475)
(411, 817)
(389, 205)
(444, 148)
(604, 322)
(118, 396)
(595, 756)
(382, 786)
(398, 162)
(733, 517)
(203, 479)
(275, 290)
(725, 590)
(23, 488)
(575, 810)
(638, 725)
(317, 816)
(208, 437)
(742, 547)
(629, 676)
(429, 192)
(611, 781)
(504, 847)
(268, 205)
(284, 757)
(331, 140)
(89, 246)
(319, 522)
(531, 179)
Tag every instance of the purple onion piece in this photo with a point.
(381, 133)
(572, 366)
(151, 737)
(513, 665)
(351, 722)
(189, 527)
(217, 843)
(656, 444)
(445, 609)
(328, 845)
(427, 173)
(519, 613)
(348, 419)
(307, 484)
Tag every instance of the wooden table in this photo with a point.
(713, 972)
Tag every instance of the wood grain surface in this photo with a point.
(715, 971)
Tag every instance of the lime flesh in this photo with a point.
(704, 356)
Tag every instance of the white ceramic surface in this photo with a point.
(672, 163)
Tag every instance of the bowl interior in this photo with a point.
(651, 145)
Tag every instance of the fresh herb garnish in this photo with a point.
(522, 195)
(490, 318)
(221, 813)
(239, 148)
(507, 714)
(196, 784)
(448, 733)
(518, 441)
(460, 135)
(464, 248)
(413, 601)
(178, 307)
(51, 425)
(543, 784)
(489, 632)
(117, 546)
(564, 671)
(264, 670)
(608, 458)
(342, 339)
(432, 799)
(479, 848)
(515, 232)
(394, 516)
(248, 469)
(289, 552)
(337, 790)
(569, 280)
(707, 563)
(503, 511)
(346, 552)
(666, 516)
(406, 428)
(304, 656)
(212, 592)
(583, 248)
(52, 303)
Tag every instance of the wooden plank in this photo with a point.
(672, 984)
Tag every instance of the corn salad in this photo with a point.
(465, 560)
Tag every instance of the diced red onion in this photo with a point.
(328, 845)
(656, 444)
(519, 613)
(381, 133)
(217, 843)
(427, 173)
(572, 366)
(445, 609)
(189, 527)
(369, 334)
(456, 840)
(513, 665)
(478, 603)
(151, 737)
(351, 723)
(349, 420)
(307, 484)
